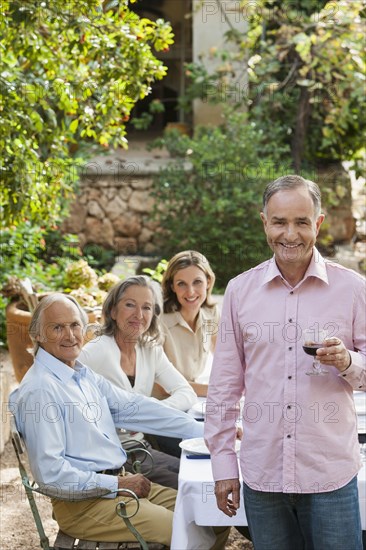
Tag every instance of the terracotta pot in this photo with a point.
(19, 343)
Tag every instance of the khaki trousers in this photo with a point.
(222, 534)
(97, 519)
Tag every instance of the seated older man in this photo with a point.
(68, 416)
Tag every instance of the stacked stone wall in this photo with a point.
(114, 210)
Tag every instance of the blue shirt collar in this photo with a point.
(59, 369)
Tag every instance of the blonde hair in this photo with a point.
(181, 261)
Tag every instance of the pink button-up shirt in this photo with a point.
(300, 432)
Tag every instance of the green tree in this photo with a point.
(293, 95)
(306, 76)
(70, 73)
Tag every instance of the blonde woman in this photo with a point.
(190, 319)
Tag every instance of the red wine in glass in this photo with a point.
(313, 339)
(310, 349)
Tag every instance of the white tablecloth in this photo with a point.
(360, 403)
(196, 503)
(196, 506)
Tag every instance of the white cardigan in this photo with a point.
(152, 365)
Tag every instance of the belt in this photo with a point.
(113, 472)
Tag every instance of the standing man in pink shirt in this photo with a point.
(300, 454)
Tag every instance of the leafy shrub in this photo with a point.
(157, 273)
(71, 74)
(107, 281)
(80, 274)
(98, 257)
(210, 200)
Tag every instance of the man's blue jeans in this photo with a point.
(316, 521)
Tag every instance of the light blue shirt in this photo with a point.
(68, 418)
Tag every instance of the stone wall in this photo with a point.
(113, 207)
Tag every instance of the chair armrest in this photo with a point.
(138, 456)
(121, 511)
(71, 496)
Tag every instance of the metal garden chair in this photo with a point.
(66, 542)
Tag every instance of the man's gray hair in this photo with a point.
(35, 327)
(293, 182)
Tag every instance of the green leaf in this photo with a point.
(74, 125)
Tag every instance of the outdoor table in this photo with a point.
(196, 508)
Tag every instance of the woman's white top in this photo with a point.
(152, 365)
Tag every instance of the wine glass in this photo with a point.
(312, 339)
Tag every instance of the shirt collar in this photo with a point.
(58, 368)
(317, 268)
(175, 318)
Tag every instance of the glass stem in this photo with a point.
(316, 364)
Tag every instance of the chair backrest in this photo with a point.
(20, 451)
(16, 438)
(137, 455)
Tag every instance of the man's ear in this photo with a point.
(264, 219)
(318, 222)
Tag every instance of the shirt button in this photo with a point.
(289, 407)
(290, 348)
(290, 320)
(291, 292)
(289, 437)
(289, 377)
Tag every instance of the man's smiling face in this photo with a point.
(291, 226)
(61, 332)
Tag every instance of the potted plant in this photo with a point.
(80, 281)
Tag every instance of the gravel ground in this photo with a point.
(17, 527)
